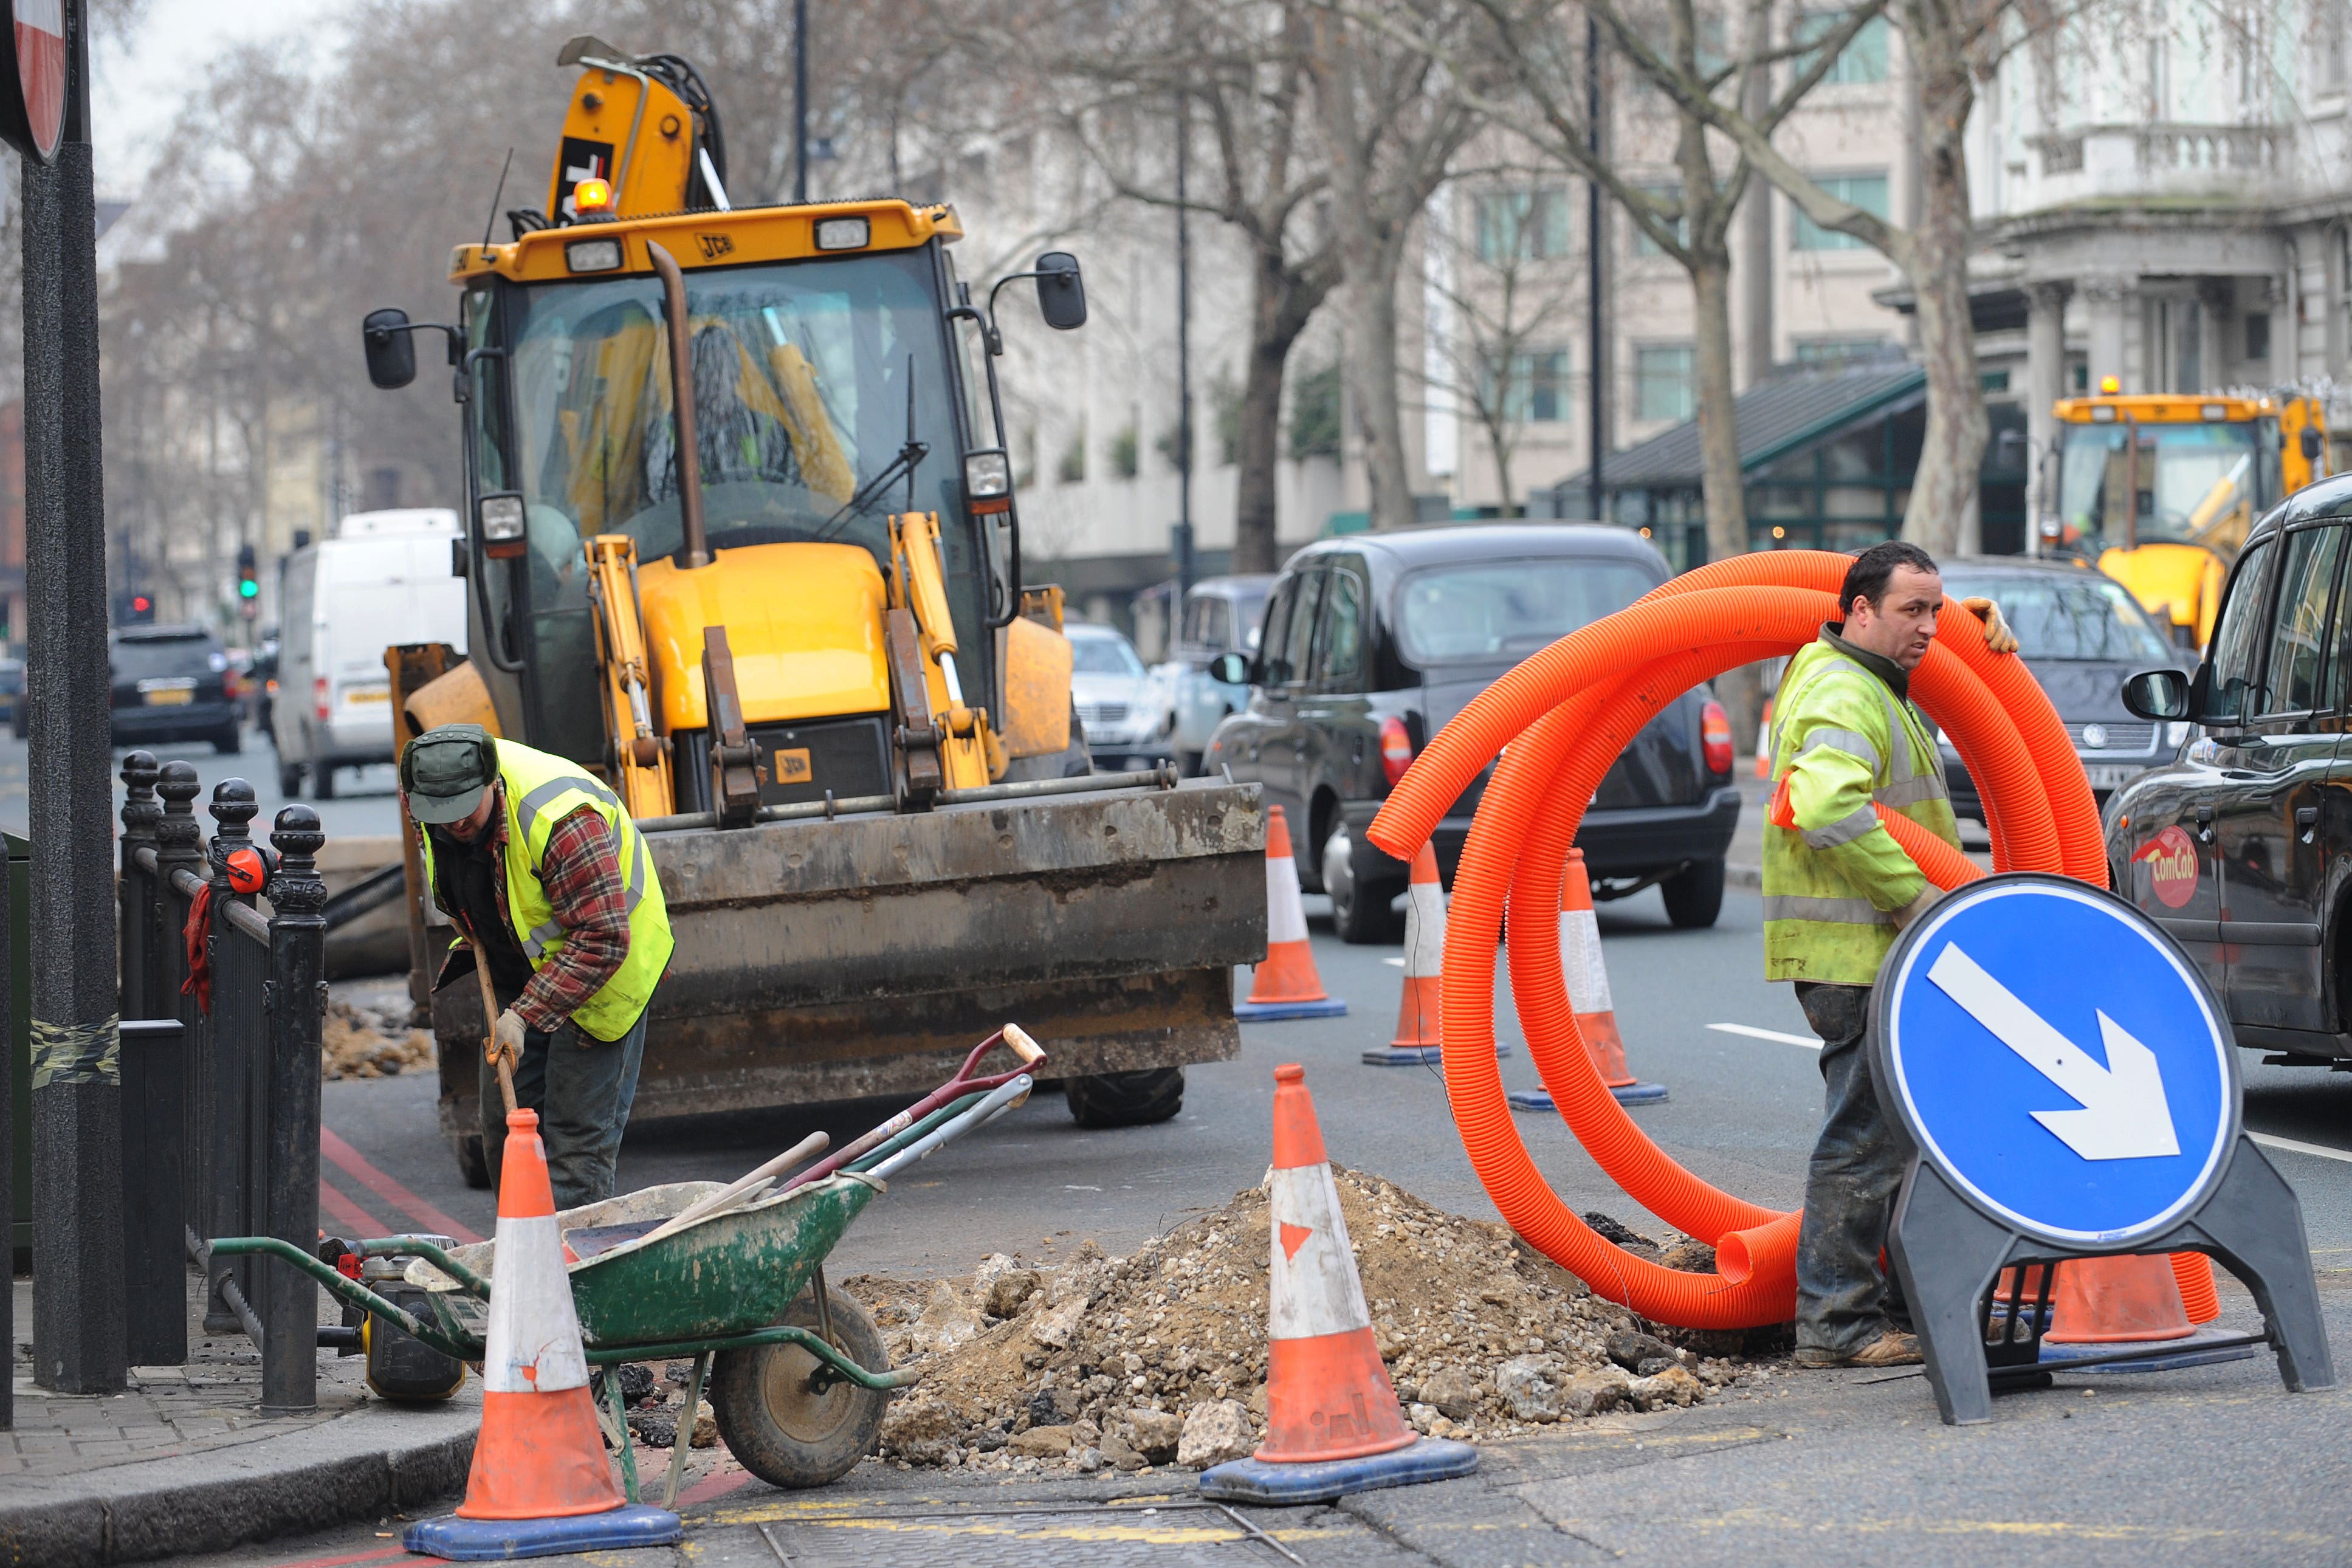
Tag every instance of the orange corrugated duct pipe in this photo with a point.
(1565, 715)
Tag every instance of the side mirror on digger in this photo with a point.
(1061, 292)
(391, 351)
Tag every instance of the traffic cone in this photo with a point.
(1284, 984)
(1333, 1425)
(540, 1484)
(2116, 1300)
(1417, 1038)
(1764, 743)
(1588, 995)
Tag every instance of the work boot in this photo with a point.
(1892, 1348)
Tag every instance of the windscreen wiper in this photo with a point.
(910, 457)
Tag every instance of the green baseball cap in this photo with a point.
(444, 770)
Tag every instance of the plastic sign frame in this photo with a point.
(35, 96)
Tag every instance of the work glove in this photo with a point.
(507, 1039)
(1918, 906)
(1997, 637)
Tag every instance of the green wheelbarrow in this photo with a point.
(731, 1275)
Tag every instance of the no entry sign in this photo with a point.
(33, 96)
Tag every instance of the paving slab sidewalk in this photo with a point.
(183, 1461)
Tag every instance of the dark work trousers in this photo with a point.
(582, 1087)
(1844, 1301)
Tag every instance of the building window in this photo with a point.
(2332, 50)
(2258, 334)
(1661, 383)
(1522, 226)
(1679, 227)
(1862, 61)
(1867, 192)
(1535, 390)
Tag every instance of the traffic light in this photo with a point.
(248, 583)
(133, 608)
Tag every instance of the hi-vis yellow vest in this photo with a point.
(541, 791)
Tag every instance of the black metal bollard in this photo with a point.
(297, 1021)
(135, 888)
(155, 1250)
(179, 849)
(233, 1050)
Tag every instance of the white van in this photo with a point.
(382, 580)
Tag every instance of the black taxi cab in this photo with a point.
(2241, 845)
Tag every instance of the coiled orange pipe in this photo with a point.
(1565, 715)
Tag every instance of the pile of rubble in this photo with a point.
(1160, 1358)
(361, 1043)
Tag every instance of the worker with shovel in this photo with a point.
(1837, 890)
(541, 868)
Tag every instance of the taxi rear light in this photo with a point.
(1715, 736)
(1396, 747)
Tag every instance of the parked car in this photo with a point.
(1221, 616)
(1372, 642)
(173, 683)
(2241, 846)
(1123, 709)
(382, 579)
(2082, 633)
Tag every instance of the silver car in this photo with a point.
(1122, 705)
(1222, 614)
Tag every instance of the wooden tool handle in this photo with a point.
(1017, 1038)
(491, 1024)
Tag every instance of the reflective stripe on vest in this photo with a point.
(1836, 912)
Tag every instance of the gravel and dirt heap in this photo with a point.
(364, 1043)
(1160, 1358)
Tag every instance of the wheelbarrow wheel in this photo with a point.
(777, 1426)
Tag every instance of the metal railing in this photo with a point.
(229, 1144)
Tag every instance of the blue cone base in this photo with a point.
(1255, 1481)
(1268, 1011)
(1413, 1056)
(1631, 1094)
(502, 1540)
(2182, 1353)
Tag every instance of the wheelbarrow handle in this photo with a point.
(1012, 1036)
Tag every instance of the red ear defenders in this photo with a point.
(251, 866)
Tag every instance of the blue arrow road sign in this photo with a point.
(2058, 1060)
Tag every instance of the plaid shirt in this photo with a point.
(581, 875)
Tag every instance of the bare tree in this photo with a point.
(1504, 295)
(1389, 130)
(1950, 44)
(1243, 66)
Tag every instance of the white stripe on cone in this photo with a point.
(1315, 1287)
(533, 1344)
(1580, 958)
(1425, 930)
(1286, 912)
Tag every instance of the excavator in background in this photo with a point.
(2158, 489)
(742, 539)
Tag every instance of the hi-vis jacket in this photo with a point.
(1842, 738)
(541, 791)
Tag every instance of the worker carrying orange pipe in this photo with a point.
(1837, 890)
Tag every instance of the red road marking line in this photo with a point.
(711, 1487)
(344, 1212)
(377, 1557)
(352, 1161)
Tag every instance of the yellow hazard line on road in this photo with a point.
(1081, 1521)
(2046, 1529)
(1648, 1437)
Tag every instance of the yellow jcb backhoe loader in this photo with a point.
(743, 542)
(2159, 489)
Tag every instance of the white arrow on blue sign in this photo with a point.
(2058, 1060)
